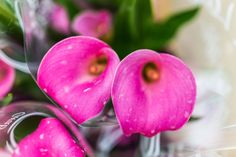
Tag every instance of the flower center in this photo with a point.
(150, 72)
(98, 66)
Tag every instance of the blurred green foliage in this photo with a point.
(6, 100)
(135, 27)
(8, 21)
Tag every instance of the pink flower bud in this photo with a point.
(92, 23)
(59, 19)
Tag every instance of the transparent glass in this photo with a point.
(23, 118)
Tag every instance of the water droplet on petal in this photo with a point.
(97, 82)
(42, 150)
(152, 131)
(86, 90)
(69, 47)
(172, 127)
(66, 89)
(63, 62)
(41, 137)
(121, 95)
(45, 90)
(186, 114)
(190, 101)
(104, 102)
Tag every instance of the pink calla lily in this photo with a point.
(78, 73)
(152, 93)
(50, 139)
(92, 23)
(7, 77)
(59, 19)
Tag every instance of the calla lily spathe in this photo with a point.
(152, 93)
(92, 23)
(50, 139)
(77, 73)
(7, 77)
(59, 19)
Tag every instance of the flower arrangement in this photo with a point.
(101, 63)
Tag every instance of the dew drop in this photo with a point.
(172, 127)
(186, 114)
(45, 90)
(104, 102)
(41, 137)
(190, 101)
(97, 82)
(64, 62)
(66, 89)
(152, 131)
(86, 90)
(42, 150)
(121, 95)
(69, 47)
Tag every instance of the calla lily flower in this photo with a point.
(152, 93)
(92, 23)
(7, 77)
(50, 139)
(59, 19)
(77, 73)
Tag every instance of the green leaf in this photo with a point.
(70, 6)
(7, 100)
(158, 35)
(129, 25)
(193, 119)
(26, 87)
(8, 21)
(101, 4)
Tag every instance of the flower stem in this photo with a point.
(150, 147)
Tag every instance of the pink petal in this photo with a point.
(7, 77)
(92, 23)
(59, 19)
(64, 76)
(50, 139)
(149, 108)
